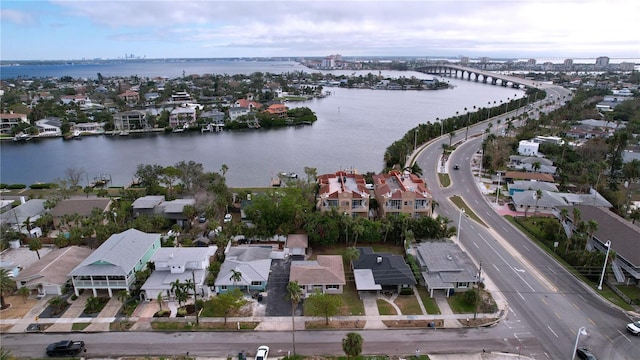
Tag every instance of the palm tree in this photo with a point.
(24, 292)
(576, 218)
(352, 344)
(564, 214)
(6, 285)
(224, 168)
(538, 196)
(535, 166)
(294, 293)
(451, 136)
(592, 227)
(159, 299)
(351, 254)
(35, 245)
(235, 277)
(357, 229)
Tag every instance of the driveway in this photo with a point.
(277, 301)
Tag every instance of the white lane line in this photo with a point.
(518, 292)
(581, 297)
(623, 334)
(525, 247)
(550, 269)
(506, 262)
(553, 332)
(482, 237)
(494, 265)
(476, 245)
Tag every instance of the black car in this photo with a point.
(66, 348)
(585, 354)
(456, 167)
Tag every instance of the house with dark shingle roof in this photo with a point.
(113, 265)
(325, 274)
(624, 237)
(381, 271)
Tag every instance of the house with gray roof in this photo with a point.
(81, 206)
(157, 205)
(246, 268)
(50, 274)
(113, 265)
(325, 274)
(178, 264)
(521, 185)
(624, 237)
(550, 201)
(444, 266)
(382, 271)
(15, 218)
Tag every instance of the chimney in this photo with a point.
(379, 259)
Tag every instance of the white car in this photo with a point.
(634, 327)
(227, 218)
(262, 353)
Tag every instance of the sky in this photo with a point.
(84, 29)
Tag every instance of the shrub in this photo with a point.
(16, 186)
(40, 186)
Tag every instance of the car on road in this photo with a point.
(228, 218)
(65, 348)
(585, 354)
(456, 167)
(634, 328)
(262, 353)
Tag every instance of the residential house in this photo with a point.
(156, 205)
(182, 117)
(279, 110)
(297, 244)
(17, 217)
(89, 128)
(147, 205)
(50, 274)
(181, 264)
(624, 239)
(113, 265)
(212, 117)
(236, 112)
(79, 99)
(246, 268)
(248, 104)
(402, 193)
(381, 271)
(130, 97)
(151, 97)
(345, 192)
(130, 120)
(444, 266)
(81, 206)
(528, 148)
(11, 120)
(550, 201)
(49, 127)
(325, 275)
(510, 176)
(520, 186)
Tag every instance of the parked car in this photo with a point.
(634, 328)
(65, 348)
(262, 353)
(202, 218)
(585, 354)
(228, 218)
(456, 167)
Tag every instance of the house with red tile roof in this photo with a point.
(130, 97)
(399, 192)
(279, 110)
(345, 192)
(251, 105)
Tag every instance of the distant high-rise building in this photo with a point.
(568, 62)
(484, 60)
(627, 66)
(464, 60)
(531, 62)
(602, 61)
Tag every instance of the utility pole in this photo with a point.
(195, 297)
(475, 314)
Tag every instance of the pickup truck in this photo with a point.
(65, 348)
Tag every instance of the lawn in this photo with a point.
(445, 180)
(429, 303)
(203, 326)
(458, 305)
(351, 303)
(79, 326)
(408, 304)
(384, 308)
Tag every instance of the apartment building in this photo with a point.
(345, 192)
(398, 192)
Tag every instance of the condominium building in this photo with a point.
(345, 192)
(398, 192)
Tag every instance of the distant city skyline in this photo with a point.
(67, 29)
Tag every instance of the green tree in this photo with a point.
(35, 245)
(294, 293)
(159, 299)
(228, 302)
(58, 304)
(351, 254)
(6, 285)
(235, 277)
(169, 176)
(24, 292)
(352, 344)
(180, 291)
(223, 169)
(321, 304)
(538, 196)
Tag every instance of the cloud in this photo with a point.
(17, 17)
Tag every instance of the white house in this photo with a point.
(181, 264)
(528, 148)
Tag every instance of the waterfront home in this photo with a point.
(113, 265)
(279, 110)
(346, 192)
(182, 116)
(245, 268)
(91, 128)
(11, 120)
(236, 112)
(50, 274)
(399, 192)
(444, 266)
(381, 271)
(181, 97)
(157, 205)
(173, 264)
(49, 127)
(213, 116)
(325, 275)
(81, 206)
(130, 97)
(29, 210)
(130, 120)
(249, 104)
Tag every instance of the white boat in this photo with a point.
(289, 175)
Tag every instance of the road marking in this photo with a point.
(550, 269)
(558, 315)
(525, 247)
(494, 265)
(506, 262)
(518, 292)
(577, 307)
(553, 332)
(623, 335)
(474, 243)
(591, 321)
(519, 270)
(544, 301)
(582, 297)
(505, 229)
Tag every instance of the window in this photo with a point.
(333, 287)
(462, 285)
(223, 287)
(256, 283)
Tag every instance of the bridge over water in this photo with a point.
(477, 75)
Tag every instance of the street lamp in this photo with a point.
(604, 267)
(415, 139)
(498, 189)
(459, 223)
(581, 331)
